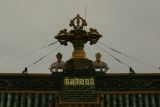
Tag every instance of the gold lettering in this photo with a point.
(91, 82)
(71, 82)
(87, 82)
(81, 81)
(76, 81)
(66, 81)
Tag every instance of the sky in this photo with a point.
(130, 26)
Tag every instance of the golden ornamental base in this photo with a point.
(78, 54)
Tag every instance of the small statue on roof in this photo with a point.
(100, 64)
(59, 64)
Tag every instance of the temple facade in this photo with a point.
(79, 84)
(61, 90)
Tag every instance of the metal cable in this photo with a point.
(27, 54)
(41, 58)
(113, 57)
(135, 59)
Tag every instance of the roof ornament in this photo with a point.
(78, 37)
(78, 22)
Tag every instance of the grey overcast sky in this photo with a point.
(130, 26)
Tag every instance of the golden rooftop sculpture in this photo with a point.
(78, 36)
